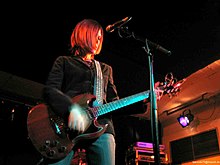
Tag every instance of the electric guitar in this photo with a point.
(51, 136)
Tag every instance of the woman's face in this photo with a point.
(98, 41)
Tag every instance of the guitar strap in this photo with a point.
(98, 85)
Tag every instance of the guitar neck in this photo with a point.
(114, 105)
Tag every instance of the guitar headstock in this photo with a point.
(170, 87)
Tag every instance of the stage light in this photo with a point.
(185, 118)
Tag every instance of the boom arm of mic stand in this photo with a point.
(144, 40)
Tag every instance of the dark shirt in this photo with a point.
(70, 76)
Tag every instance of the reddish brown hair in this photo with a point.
(84, 37)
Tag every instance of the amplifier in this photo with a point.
(144, 154)
(148, 146)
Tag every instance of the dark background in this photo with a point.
(33, 35)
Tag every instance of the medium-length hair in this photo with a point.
(84, 37)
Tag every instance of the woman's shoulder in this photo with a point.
(106, 67)
(66, 58)
(105, 64)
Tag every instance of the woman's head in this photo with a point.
(87, 38)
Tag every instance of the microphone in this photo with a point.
(118, 24)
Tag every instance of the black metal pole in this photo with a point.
(153, 108)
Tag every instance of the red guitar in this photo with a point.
(50, 134)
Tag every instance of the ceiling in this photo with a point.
(195, 92)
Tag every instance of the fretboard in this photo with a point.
(117, 104)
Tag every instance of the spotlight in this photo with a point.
(185, 119)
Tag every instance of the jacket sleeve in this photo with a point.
(52, 94)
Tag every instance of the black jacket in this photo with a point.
(71, 76)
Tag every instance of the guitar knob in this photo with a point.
(54, 143)
(47, 142)
(44, 147)
(62, 149)
(50, 153)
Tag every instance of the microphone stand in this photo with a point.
(153, 108)
(153, 100)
